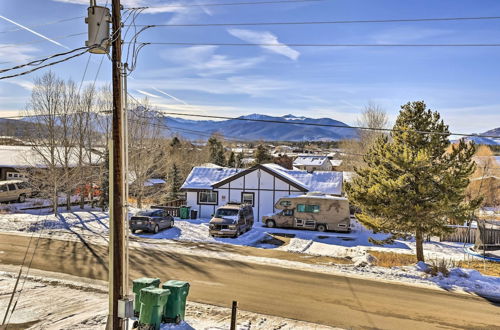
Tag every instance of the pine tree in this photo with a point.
(239, 160)
(411, 184)
(231, 162)
(262, 155)
(216, 151)
(175, 181)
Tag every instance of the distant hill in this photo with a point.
(488, 141)
(274, 131)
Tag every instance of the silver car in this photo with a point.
(14, 190)
(151, 220)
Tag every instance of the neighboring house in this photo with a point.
(261, 186)
(336, 163)
(16, 160)
(312, 163)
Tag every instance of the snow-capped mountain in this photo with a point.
(266, 128)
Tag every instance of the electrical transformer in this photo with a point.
(98, 21)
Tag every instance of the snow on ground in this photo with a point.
(83, 305)
(92, 225)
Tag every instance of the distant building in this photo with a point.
(261, 186)
(312, 163)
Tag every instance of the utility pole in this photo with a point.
(117, 253)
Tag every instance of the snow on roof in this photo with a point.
(336, 162)
(322, 196)
(327, 182)
(152, 182)
(310, 160)
(26, 157)
(204, 177)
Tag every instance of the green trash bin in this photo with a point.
(175, 309)
(153, 301)
(138, 285)
(184, 211)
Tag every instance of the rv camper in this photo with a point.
(312, 211)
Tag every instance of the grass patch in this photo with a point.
(392, 259)
(490, 268)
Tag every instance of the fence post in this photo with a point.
(234, 310)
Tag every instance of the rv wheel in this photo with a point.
(321, 228)
(156, 230)
(270, 223)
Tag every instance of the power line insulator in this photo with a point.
(98, 21)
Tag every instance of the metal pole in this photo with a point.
(234, 310)
(117, 247)
(125, 169)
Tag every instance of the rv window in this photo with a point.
(308, 208)
(207, 197)
(285, 203)
(288, 213)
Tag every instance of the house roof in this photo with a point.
(26, 157)
(310, 160)
(327, 182)
(202, 178)
(336, 162)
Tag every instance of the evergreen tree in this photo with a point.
(175, 181)
(284, 161)
(231, 162)
(411, 184)
(262, 155)
(216, 151)
(239, 160)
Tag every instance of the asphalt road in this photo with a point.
(321, 298)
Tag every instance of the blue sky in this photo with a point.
(463, 84)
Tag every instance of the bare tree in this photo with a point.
(45, 101)
(373, 117)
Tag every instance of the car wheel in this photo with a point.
(133, 231)
(270, 224)
(21, 199)
(321, 228)
(172, 223)
(156, 229)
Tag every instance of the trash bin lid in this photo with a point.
(176, 284)
(146, 280)
(155, 291)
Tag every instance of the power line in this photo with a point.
(326, 125)
(314, 45)
(40, 61)
(226, 4)
(437, 19)
(44, 24)
(290, 123)
(46, 65)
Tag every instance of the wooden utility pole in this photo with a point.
(117, 253)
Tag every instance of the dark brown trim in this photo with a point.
(201, 203)
(248, 192)
(253, 168)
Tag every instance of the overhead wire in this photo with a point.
(225, 4)
(286, 44)
(403, 20)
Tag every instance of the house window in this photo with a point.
(207, 197)
(305, 208)
(248, 198)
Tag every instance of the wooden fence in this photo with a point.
(490, 236)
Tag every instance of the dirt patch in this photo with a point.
(392, 259)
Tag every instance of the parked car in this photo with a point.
(231, 220)
(151, 221)
(14, 190)
(313, 211)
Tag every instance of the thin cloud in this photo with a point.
(171, 96)
(148, 94)
(34, 32)
(265, 37)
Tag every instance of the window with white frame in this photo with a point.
(207, 197)
(248, 198)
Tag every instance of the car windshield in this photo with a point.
(145, 213)
(226, 213)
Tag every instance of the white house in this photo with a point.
(261, 186)
(312, 163)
